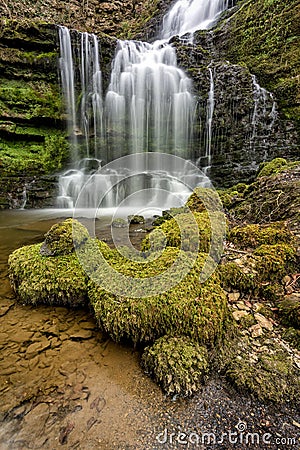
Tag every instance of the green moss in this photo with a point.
(253, 235)
(29, 100)
(136, 219)
(169, 214)
(20, 157)
(204, 199)
(54, 281)
(177, 364)
(259, 273)
(289, 309)
(190, 232)
(264, 36)
(269, 376)
(271, 199)
(274, 261)
(64, 237)
(188, 308)
(275, 166)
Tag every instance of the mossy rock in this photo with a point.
(254, 235)
(127, 311)
(64, 237)
(273, 262)
(191, 232)
(177, 364)
(119, 223)
(292, 336)
(271, 199)
(56, 280)
(36, 279)
(289, 309)
(270, 375)
(204, 199)
(259, 272)
(275, 166)
(136, 219)
(233, 278)
(169, 214)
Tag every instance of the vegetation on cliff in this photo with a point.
(264, 35)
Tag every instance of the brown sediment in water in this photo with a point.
(64, 384)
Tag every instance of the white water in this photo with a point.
(149, 107)
(149, 100)
(264, 110)
(209, 120)
(188, 16)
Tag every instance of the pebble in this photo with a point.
(263, 321)
(256, 330)
(234, 296)
(238, 314)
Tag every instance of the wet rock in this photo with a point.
(263, 321)
(136, 219)
(119, 223)
(234, 296)
(239, 314)
(37, 347)
(256, 330)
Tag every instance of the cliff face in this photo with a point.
(248, 126)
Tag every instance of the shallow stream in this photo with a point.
(64, 384)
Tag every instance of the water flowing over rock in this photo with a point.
(188, 16)
(149, 105)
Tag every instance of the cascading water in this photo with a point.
(149, 105)
(188, 16)
(149, 100)
(264, 110)
(210, 112)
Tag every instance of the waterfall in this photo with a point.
(188, 16)
(149, 102)
(149, 105)
(68, 88)
(88, 119)
(210, 112)
(264, 111)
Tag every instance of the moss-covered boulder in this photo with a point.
(136, 219)
(269, 374)
(254, 235)
(259, 272)
(289, 309)
(272, 198)
(56, 280)
(160, 295)
(204, 199)
(50, 272)
(64, 237)
(177, 364)
(191, 232)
